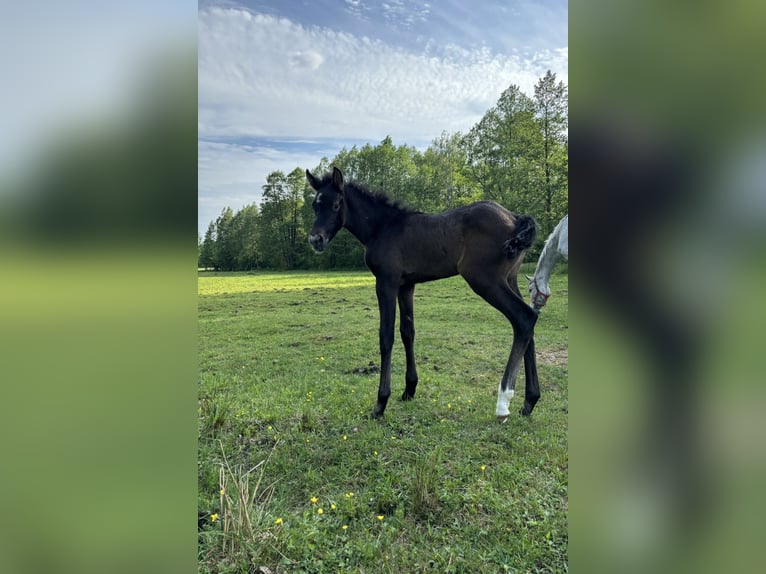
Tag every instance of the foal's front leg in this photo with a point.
(407, 331)
(386, 291)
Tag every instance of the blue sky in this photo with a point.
(282, 84)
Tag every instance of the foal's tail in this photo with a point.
(523, 236)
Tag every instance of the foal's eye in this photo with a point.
(336, 206)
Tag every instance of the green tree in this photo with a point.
(297, 238)
(225, 242)
(245, 226)
(207, 249)
(445, 180)
(384, 167)
(272, 231)
(502, 150)
(552, 117)
(281, 229)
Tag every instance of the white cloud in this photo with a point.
(354, 7)
(398, 13)
(309, 60)
(264, 76)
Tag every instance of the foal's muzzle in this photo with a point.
(318, 242)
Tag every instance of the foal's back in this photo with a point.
(434, 246)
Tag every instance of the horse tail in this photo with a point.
(523, 236)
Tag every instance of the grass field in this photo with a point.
(294, 476)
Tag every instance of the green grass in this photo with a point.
(436, 486)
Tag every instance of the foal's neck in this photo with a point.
(366, 214)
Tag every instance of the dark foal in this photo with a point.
(483, 242)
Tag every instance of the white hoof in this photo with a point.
(503, 401)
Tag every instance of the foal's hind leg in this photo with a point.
(407, 330)
(522, 338)
(522, 318)
(532, 384)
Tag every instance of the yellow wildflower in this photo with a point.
(213, 517)
(320, 511)
(278, 521)
(314, 499)
(380, 517)
(333, 507)
(345, 527)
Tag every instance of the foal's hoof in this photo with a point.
(525, 411)
(375, 415)
(407, 397)
(502, 419)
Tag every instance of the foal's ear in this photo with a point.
(337, 178)
(313, 182)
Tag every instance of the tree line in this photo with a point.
(516, 155)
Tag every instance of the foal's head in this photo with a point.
(329, 208)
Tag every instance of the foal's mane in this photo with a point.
(377, 198)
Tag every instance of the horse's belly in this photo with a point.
(428, 265)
